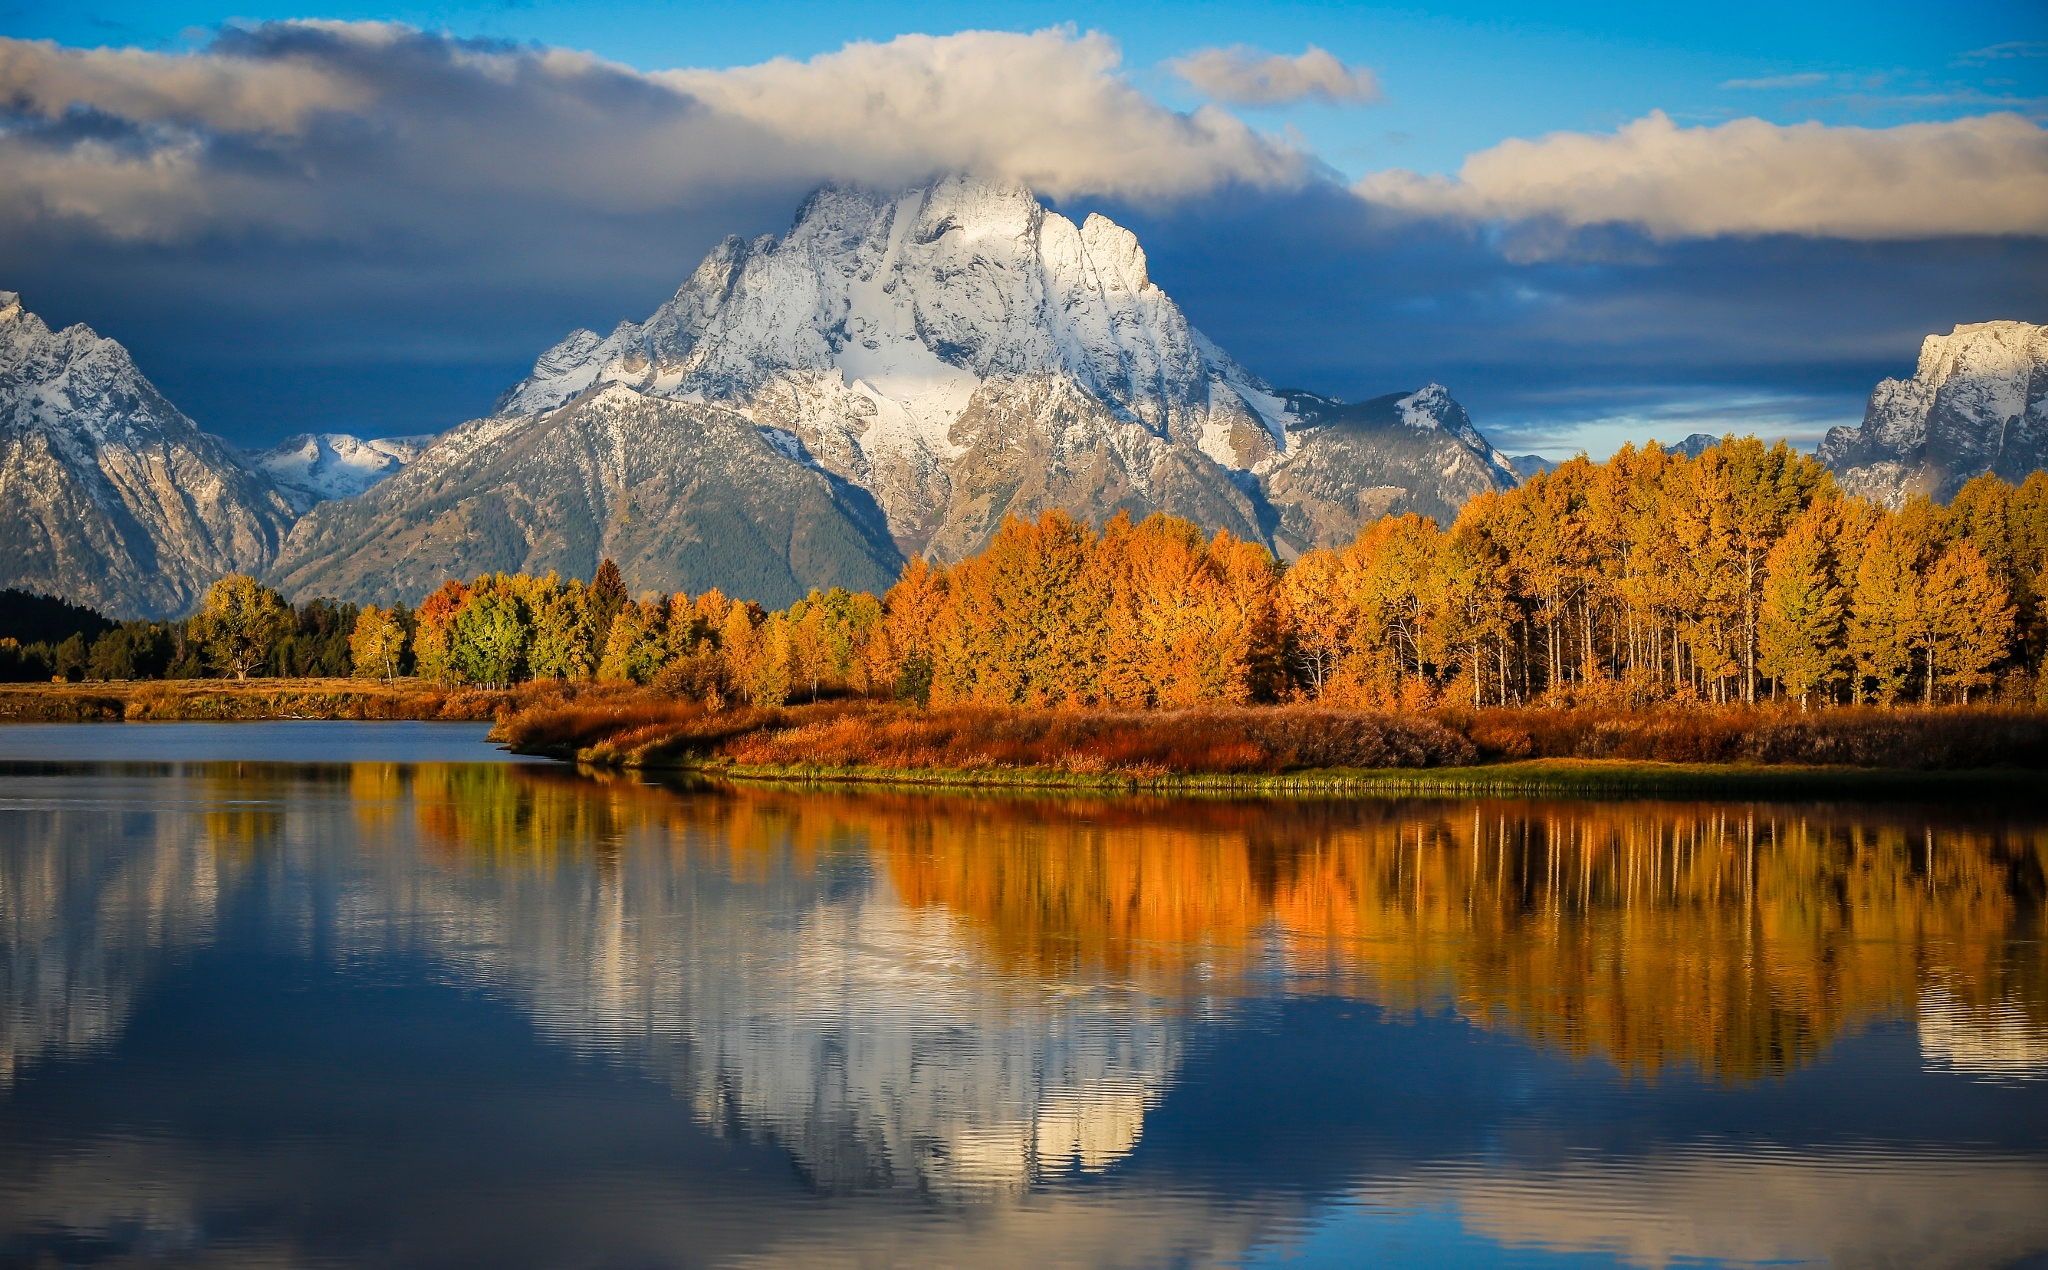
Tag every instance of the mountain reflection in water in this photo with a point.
(1121, 1031)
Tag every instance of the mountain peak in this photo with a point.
(1977, 402)
(116, 500)
(944, 355)
(901, 307)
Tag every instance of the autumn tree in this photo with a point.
(1319, 617)
(239, 623)
(634, 652)
(377, 643)
(1884, 612)
(433, 640)
(1966, 620)
(915, 614)
(1803, 606)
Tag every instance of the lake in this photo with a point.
(380, 1006)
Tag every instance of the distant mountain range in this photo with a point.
(892, 377)
(315, 467)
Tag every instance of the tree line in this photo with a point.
(1741, 575)
(240, 629)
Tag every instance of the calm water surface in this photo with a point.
(372, 1007)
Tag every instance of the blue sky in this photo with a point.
(1606, 329)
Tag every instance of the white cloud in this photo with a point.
(1246, 76)
(354, 130)
(1986, 175)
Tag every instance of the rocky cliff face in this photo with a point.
(680, 493)
(1977, 403)
(108, 495)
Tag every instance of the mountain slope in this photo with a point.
(1977, 403)
(314, 467)
(682, 495)
(1349, 465)
(108, 495)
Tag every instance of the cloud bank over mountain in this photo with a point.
(326, 128)
(319, 226)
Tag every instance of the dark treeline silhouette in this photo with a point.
(74, 643)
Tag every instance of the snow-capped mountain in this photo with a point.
(927, 363)
(960, 352)
(108, 495)
(314, 467)
(1977, 403)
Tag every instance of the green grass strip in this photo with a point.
(1578, 778)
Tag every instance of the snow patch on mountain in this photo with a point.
(314, 467)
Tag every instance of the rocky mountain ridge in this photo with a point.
(109, 496)
(682, 494)
(1977, 403)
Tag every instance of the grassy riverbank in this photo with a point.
(1298, 749)
(235, 700)
(1561, 778)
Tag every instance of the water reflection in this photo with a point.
(1109, 1032)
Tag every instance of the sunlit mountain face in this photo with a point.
(385, 1011)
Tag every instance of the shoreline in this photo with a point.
(1447, 773)
(1619, 778)
(252, 700)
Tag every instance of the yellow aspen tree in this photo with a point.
(1767, 488)
(376, 644)
(771, 676)
(1884, 611)
(1318, 619)
(738, 644)
(1800, 624)
(916, 614)
(1966, 621)
(1251, 579)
